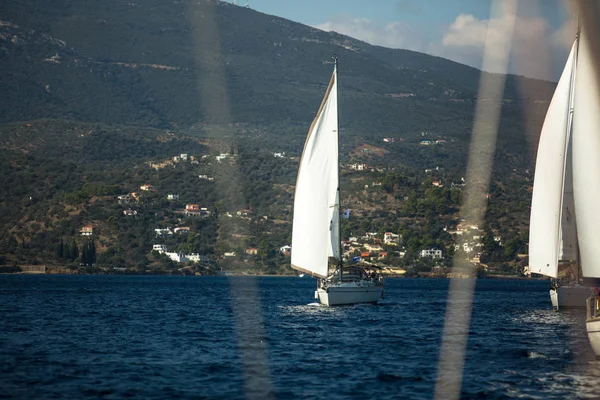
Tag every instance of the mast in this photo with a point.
(568, 145)
(339, 194)
(571, 110)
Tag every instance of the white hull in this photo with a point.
(567, 297)
(349, 294)
(593, 331)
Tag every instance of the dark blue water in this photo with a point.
(226, 338)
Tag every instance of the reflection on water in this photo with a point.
(164, 337)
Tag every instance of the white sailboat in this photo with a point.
(553, 224)
(586, 176)
(316, 239)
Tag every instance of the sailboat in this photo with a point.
(586, 175)
(553, 235)
(316, 236)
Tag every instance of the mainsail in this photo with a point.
(552, 235)
(586, 158)
(316, 230)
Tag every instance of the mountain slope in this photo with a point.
(179, 63)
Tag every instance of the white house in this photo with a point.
(147, 187)
(182, 229)
(163, 232)
(161, 248)
(222, 156)
(172, 196)
(433, 253)
(177, 257)
(391, 238)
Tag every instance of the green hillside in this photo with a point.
(92, 93)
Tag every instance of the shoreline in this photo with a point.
(233, 274)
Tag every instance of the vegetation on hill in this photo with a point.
(98, 97)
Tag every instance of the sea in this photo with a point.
(184, 337)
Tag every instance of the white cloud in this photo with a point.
(537, 51)
(534, 46)
(396, 35)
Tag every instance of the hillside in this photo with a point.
(92, 92)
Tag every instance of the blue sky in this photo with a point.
(454, 29)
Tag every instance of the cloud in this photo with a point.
(534, 45)
(537, 51)
(396, 35)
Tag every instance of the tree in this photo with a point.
(73, 251)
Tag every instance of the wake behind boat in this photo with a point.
(316, 237)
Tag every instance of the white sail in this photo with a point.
(568, 242)
(586, 159)
(316, 231)
(545, 231)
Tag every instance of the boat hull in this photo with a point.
(345, 295)
(593, 330)
(568, 297)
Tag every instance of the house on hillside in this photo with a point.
(251, 250)
(286, 250)
(124, 198)
(391, 238)
(172, 196)
(433, 253)
(87, 230)
(147, 188)
(161, 248)
(192, 209)
(182, 229)
(163, 232)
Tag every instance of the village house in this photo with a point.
(279, 155)
(147, 188)
(286, 250)
(129, 212)
(124, 198)
(172, 196)
(192, 209)
(433, 253)
(163, 232)
(391, 238)
(373, 247)
(206, 177)
(161, 248)
(251, 250)
(87, 230)
(388, 140)
(182, 229)
(195, 257)
(222, 156)
(358, 167)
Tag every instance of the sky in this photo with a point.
(455, 29)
